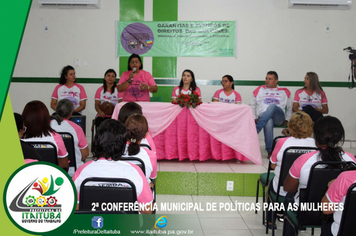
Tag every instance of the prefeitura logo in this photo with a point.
(39, 197)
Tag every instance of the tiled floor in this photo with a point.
(221, 222)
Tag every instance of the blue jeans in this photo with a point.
(274, 115)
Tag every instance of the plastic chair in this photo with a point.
(289, 156)
(264, 179)
(99, 191)
(69, 144)
(146, 146)
(321, 173)
(348, 217)
(47, 151)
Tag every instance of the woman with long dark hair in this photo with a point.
(69, 89)
(106, 97)
(187, 85)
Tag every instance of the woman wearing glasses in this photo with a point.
(227, 94)
(136, 83)
(311, 98)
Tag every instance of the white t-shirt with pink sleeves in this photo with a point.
(233, 97)
(263, 97)
(277, 156)
(314, 100)
(149, 158)
(76, 93)
(115, 169)
(133, 92)
(337, 194)
(301, 168)
(80, 141)
(107, 96)
(175, 92)
(54, 138)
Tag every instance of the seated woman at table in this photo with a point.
(61, 123)
(129, 109)
(301, 127)
(329, 136)
(227, 94)
(137, 129)
(108, 148)
(106, 97)
(187, 85)
(311, 98)
(37, 120)
(67, 88)
(136, 83)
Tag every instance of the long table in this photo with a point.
(214, 130)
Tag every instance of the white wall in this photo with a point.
(270, 37)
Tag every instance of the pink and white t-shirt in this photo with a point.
(149, 141)
(263, 97)
(301, 168)
(149, 158)
(133, 92)
(80, 141)
(175, 92)
(337, 194)
(76, 93)
(314, 100)
(233, 97)
(115, 169)
(107, 96)
(54, 138)
(277, 156)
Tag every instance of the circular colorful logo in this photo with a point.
(137, 38)
(39, 197)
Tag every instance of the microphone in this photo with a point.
(134, 69)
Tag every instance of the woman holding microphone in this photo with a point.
(136, 83)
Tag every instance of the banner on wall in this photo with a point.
(177, 38)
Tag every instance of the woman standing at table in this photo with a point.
(311, 98)
(106, 97)
(187, 85)
(136, 83)
(227, 94)
(67, 88)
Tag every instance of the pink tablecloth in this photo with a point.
(211, 131)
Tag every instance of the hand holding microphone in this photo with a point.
(132, 74)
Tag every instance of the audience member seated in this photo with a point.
(136, 83)
(311, 98)
(61, 123)
(129, 109)
(301, 126)
(37, 120)
(67, 88)
(29, 153)
(335, 195)
(108, 148)
(137, 129)
(227, 94)
(329, 136)
(106, 97)
(271, 105)
(187, 85)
